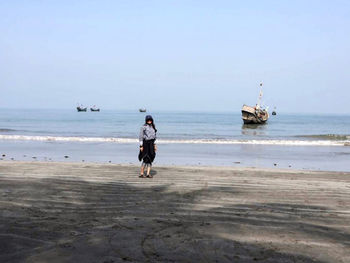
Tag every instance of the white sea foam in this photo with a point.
(193, 141)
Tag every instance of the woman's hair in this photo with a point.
(154, 127)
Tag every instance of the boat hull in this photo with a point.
(81, 109)
(253, 121)
(251, 115)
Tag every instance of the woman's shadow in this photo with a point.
(153, 172)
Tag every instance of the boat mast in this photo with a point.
(260, 96)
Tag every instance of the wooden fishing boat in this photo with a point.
(94, 108)
(255, 115)
(81, 109)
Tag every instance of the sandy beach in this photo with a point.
(70, 212)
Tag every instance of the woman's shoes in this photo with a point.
(148, 176)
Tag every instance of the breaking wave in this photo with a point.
(193, 141)
(333, 137)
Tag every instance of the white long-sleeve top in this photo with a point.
(147, 133)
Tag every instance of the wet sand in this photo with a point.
(69, 212)
(320, 158)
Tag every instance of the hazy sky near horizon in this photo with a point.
(175, 55)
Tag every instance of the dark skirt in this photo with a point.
(148, 154)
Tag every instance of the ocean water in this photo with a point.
(193, 138)
(172, 126)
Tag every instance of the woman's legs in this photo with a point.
(142, 168)
(149, 169)
(146, 166)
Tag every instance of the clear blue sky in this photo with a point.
(179, 55)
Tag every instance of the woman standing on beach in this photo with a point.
(147, 146)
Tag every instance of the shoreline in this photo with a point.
(88, 212)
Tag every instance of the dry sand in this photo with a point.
(61, 212)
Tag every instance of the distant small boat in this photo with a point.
(255, 115)
(142, 110)
(94, 108)
(274, 111)
(81, 109)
